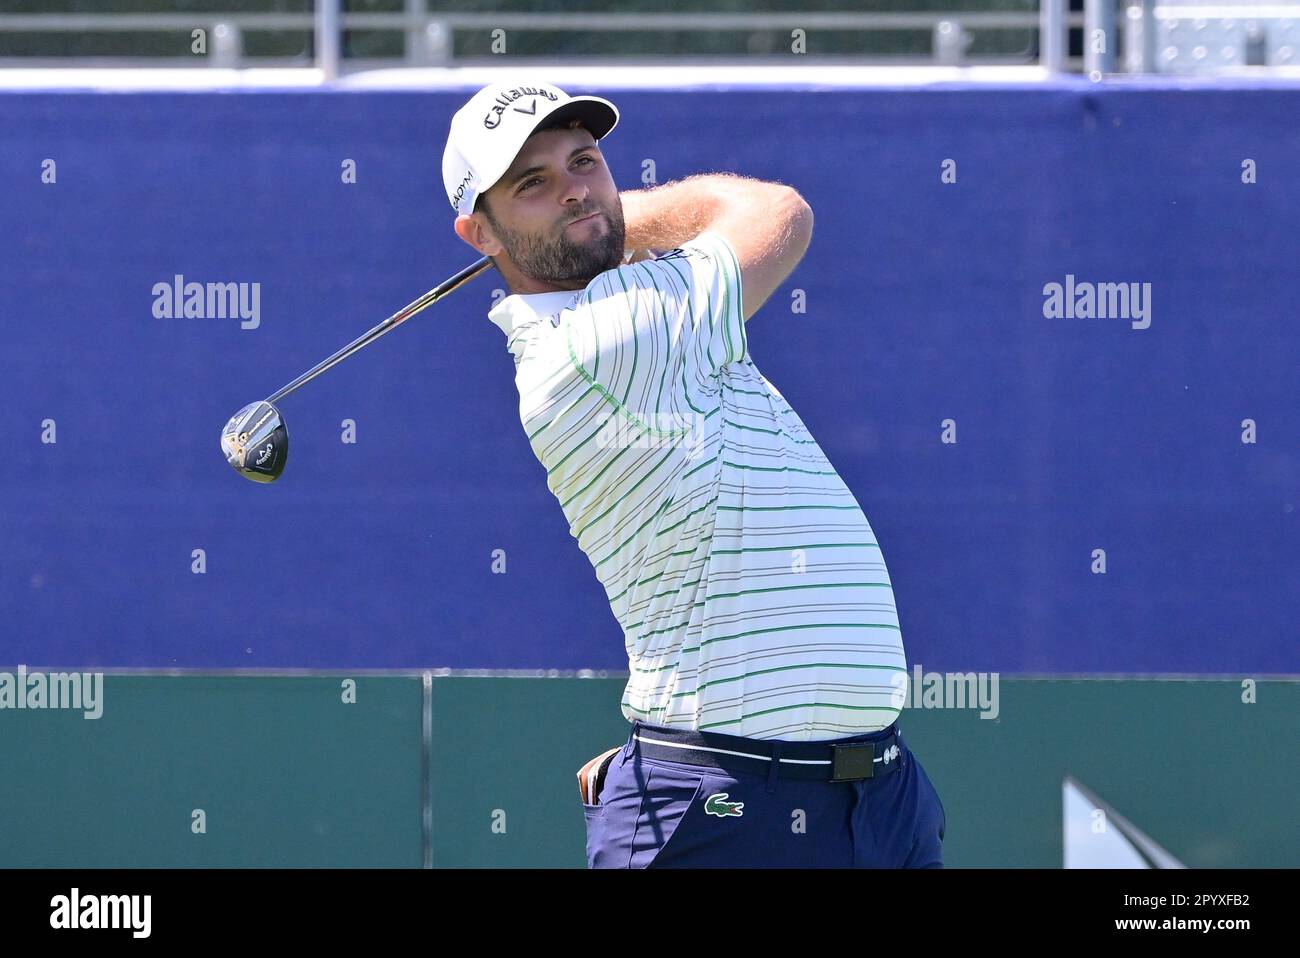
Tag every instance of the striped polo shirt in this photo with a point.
(752, 594)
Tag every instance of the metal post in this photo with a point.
(327, 38)
(438, 45)
(949, 42)
(412, 36)
(227, 46)
(1099, 30)
(1139, 38)
(428, 40)
(1053, 35)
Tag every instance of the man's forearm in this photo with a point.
(666, 216)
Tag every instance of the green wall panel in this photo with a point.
(515, 746)
(289, 775)
(1211, 779)
(286, 773)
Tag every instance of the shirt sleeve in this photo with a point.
(655, 334)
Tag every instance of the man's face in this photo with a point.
(558, 178)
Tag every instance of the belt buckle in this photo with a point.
(853, 762)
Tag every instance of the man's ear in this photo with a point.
(477, 234)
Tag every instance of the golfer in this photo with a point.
(766, 661)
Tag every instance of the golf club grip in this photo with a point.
(388, 325)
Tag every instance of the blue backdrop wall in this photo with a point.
(924, 304)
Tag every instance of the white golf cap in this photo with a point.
(488, 132)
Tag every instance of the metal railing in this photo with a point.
(428, 35)
(1235, 32)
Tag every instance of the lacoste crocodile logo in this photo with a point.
(716, 804)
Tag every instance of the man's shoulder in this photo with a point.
(704, 248)
(648, 273)
(669, 274)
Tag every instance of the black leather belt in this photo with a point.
(849, 759)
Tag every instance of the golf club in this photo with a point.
(256, 442)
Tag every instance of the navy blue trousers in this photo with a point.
(653, 812)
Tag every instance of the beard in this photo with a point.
(568, 256)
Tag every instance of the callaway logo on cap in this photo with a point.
(488, 132)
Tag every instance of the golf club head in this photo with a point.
(256, 443)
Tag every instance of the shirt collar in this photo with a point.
(519, 309)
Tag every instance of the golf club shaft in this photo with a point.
(388, 325)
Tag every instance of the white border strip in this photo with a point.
(135, 78)
(690, 75)
(619, 77)
(432, 78)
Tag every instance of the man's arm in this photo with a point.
(768, 225)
